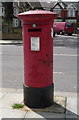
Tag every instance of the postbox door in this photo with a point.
(38, 56)
(35, 39)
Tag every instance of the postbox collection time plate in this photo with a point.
(35, 43)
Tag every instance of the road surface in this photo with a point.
(65, 64)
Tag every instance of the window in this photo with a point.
(58, 11)
(71, 13)
(15, 22)
(69, 25)
(2, 11)
(16, 11)
(71, 10)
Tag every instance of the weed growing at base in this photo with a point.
(17, 106)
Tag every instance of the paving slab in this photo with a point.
(72, 116)
(4, 91)
(10, 99)
(2, 95)
(19, 91)
(0, 114)
(9, 90)
(0, 89)
(32, 114)
(57, 107)
(57, 110)
(12, 113)
(65, 94)
(71, 105)
(51, 115)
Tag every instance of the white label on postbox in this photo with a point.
(35, 44)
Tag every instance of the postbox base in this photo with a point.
(38, 97)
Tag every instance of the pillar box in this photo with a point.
(37, 33)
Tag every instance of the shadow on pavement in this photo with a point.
(56, 112)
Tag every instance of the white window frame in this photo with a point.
(71, 8)
(73, 12)
(3, 12)
(15, 22)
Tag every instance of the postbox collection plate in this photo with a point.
(35, 43)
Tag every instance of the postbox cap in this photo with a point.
(37, 15)
(33, 12)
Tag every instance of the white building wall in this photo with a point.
(2, 12)
(15, 12)
(15, 22)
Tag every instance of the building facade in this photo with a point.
(67, 11)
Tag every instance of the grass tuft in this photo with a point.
(17, 106)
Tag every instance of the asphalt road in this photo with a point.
(65, 64)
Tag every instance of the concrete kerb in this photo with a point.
(13, 42)
(10, 42)
(64, 105)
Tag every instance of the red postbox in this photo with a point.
(37, 35)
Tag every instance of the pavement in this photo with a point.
(65, 106)
(12, 42)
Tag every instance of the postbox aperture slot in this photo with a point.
(34, 30)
